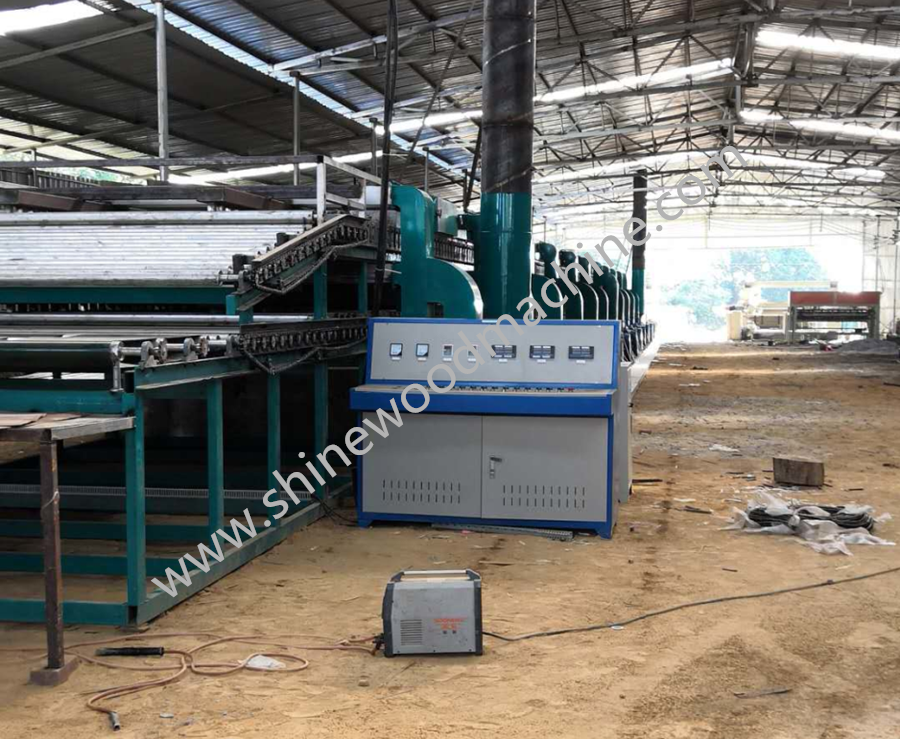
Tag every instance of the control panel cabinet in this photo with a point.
(533, 432)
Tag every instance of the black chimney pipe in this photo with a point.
(504, 264)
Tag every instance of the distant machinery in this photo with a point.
(756, 317)
(832, 315)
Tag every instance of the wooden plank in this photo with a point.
(799, 472)
(62, 203)
(13, 420)
(241, 200)
(66, 427)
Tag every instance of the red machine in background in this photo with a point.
(813, 315)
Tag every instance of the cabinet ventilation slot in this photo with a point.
(544, 496)
(421, 491)
(411, 632)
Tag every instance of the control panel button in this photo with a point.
(396, 351)
(422, 351)
(582, 353)
(504, 351)
(542, 352)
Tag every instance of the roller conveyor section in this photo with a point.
(127, 325)
(273, 270)
(68, 355)
(330, 333)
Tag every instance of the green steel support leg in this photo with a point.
(215, 456)
(135, 507)
(273, 434)
(320, 372)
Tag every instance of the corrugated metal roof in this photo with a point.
(227, 98)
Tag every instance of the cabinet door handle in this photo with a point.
(492, 466)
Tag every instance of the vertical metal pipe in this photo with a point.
(56, 653)
(374, 123)
(893, 325)
(162, 88)
(638, 255)
(321, 186)
(426, 170)
(504, 257)
(296, 128)
(467, 197)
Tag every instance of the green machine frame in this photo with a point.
(202, 379)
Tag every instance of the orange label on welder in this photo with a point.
(449, 624)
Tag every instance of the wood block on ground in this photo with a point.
(799, 472)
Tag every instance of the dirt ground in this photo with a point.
(836, 649)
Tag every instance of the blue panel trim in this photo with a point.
(512, 404)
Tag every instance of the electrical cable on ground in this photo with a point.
(684, 606)
(187, 657)
(187, 661)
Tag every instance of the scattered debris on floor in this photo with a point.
(724, 449)
(806, 472)
(555, 534)
(870, 346)
(694, 509)
(827, 529)
(760, 693)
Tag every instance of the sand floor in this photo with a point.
(836, 649)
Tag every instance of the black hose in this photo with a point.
(694, 604)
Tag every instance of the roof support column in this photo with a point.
(638, 255)
(162, 88)
(296, 148)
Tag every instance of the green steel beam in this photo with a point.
(102, 530)
(60, 400)
(215, 456)
(182, 373)
(320, 369)
(273, 433)
(74, 612)
(135, 508)
(83, 564)
(159, 601)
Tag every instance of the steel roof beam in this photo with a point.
(404, 33)
(74, 46)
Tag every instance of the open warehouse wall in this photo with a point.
(700, 265)
(881, 269)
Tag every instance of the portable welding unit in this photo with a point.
(432, 612)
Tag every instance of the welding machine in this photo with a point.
(432, 612)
